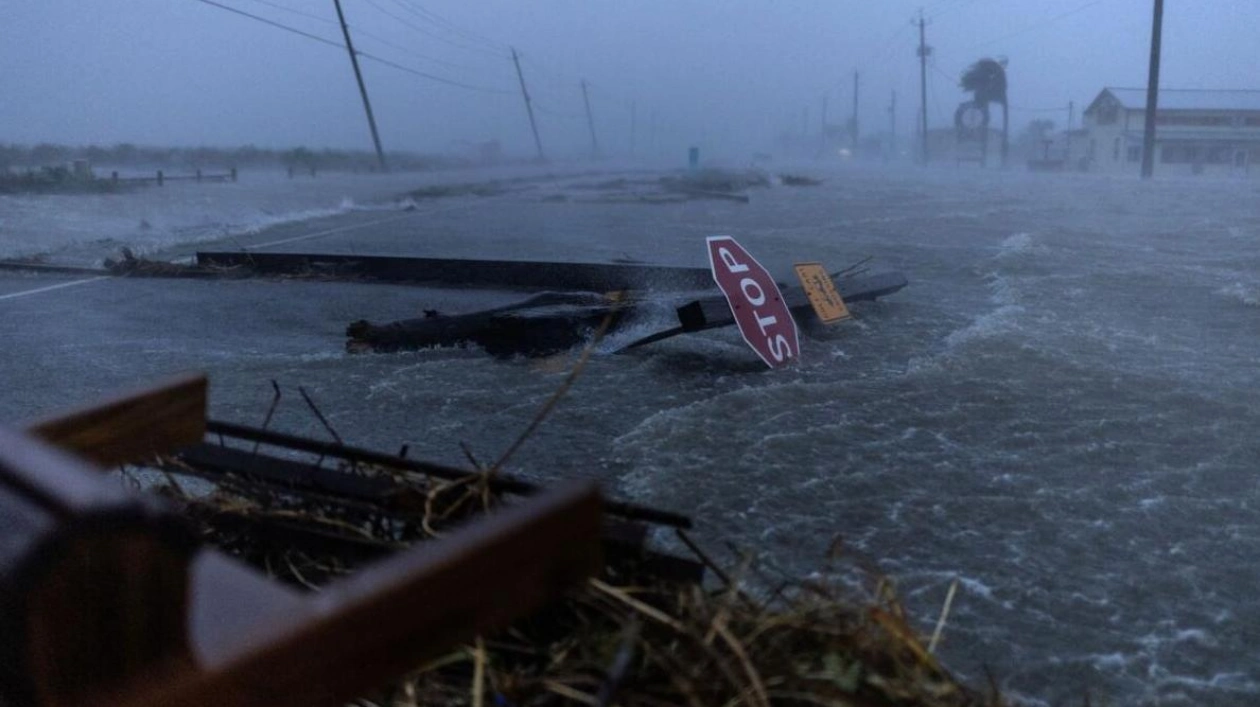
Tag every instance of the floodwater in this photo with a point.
(1060, 411)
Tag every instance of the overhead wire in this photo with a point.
(1040, 24)
(433, 35)
(419, 10)
(358, 30)
(365, 55)
(303, 13)
(264, 20)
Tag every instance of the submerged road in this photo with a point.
(1059, 412)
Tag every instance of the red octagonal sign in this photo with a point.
(762, 315)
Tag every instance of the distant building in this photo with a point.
(948, 146)
(1197, 132)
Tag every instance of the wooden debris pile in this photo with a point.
(649, 630)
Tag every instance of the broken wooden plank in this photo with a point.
(458, 272)
(712, 312)
(92, 578)
(500, 482)
(386, 620)
(135, 426)
(376, 496)
(542, 325)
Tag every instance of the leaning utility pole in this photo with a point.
(1067, 141)
(855, 113)
(634, 125)
(367, 106)
(590, 122)
(892, 127)
(1152, 94)
(822, 128)
(652, 148)
(924, 51)
(529, 108)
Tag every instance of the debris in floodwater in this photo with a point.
(796, 180)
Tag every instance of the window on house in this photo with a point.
(1179, 154)
(1218, 155)
(1135, 154)
(1199, 121)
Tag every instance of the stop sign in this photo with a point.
(763, 317)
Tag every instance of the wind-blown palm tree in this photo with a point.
(986, 79)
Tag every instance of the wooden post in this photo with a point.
(892, 127)
(1152, 94)
(529, 108)
(855, 113)
(590, 122)
(924, 51)
(133, 427)
(233, 174)
(113, 177)
(367, 105)
(199, 176)
(159, 178)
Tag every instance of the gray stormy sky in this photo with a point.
(725, 74)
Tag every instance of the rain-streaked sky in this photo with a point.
(728, 74)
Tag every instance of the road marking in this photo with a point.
(356, 226)
(49, 288)
(329, 232)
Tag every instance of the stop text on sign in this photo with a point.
(763, 317)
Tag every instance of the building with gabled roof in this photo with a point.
(1197, 132)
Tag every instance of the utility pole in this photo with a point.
(590, 122)
(367, 105)
(892, 127)
(529, 107)
(924, 51)
(855, 113)
(822, 128)
(1152, 94)
(1067, 158)
(634, 124)
(652, 148)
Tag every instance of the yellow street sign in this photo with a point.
(828, 304)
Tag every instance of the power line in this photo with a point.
(421, 11)
(286, 28)
(407, 50)
(946, 10)
(428, 33)
(365, 55)
(1039, 24)
(432, 77)
(303, 13)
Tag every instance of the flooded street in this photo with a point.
(1060, 410)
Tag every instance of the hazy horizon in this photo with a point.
(729, 77)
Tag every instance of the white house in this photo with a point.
(1197, 132)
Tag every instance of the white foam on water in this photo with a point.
(1016, 244)
(990, 325)
(1238, 292)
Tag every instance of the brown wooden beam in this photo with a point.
(132, 427)
(389, 619)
